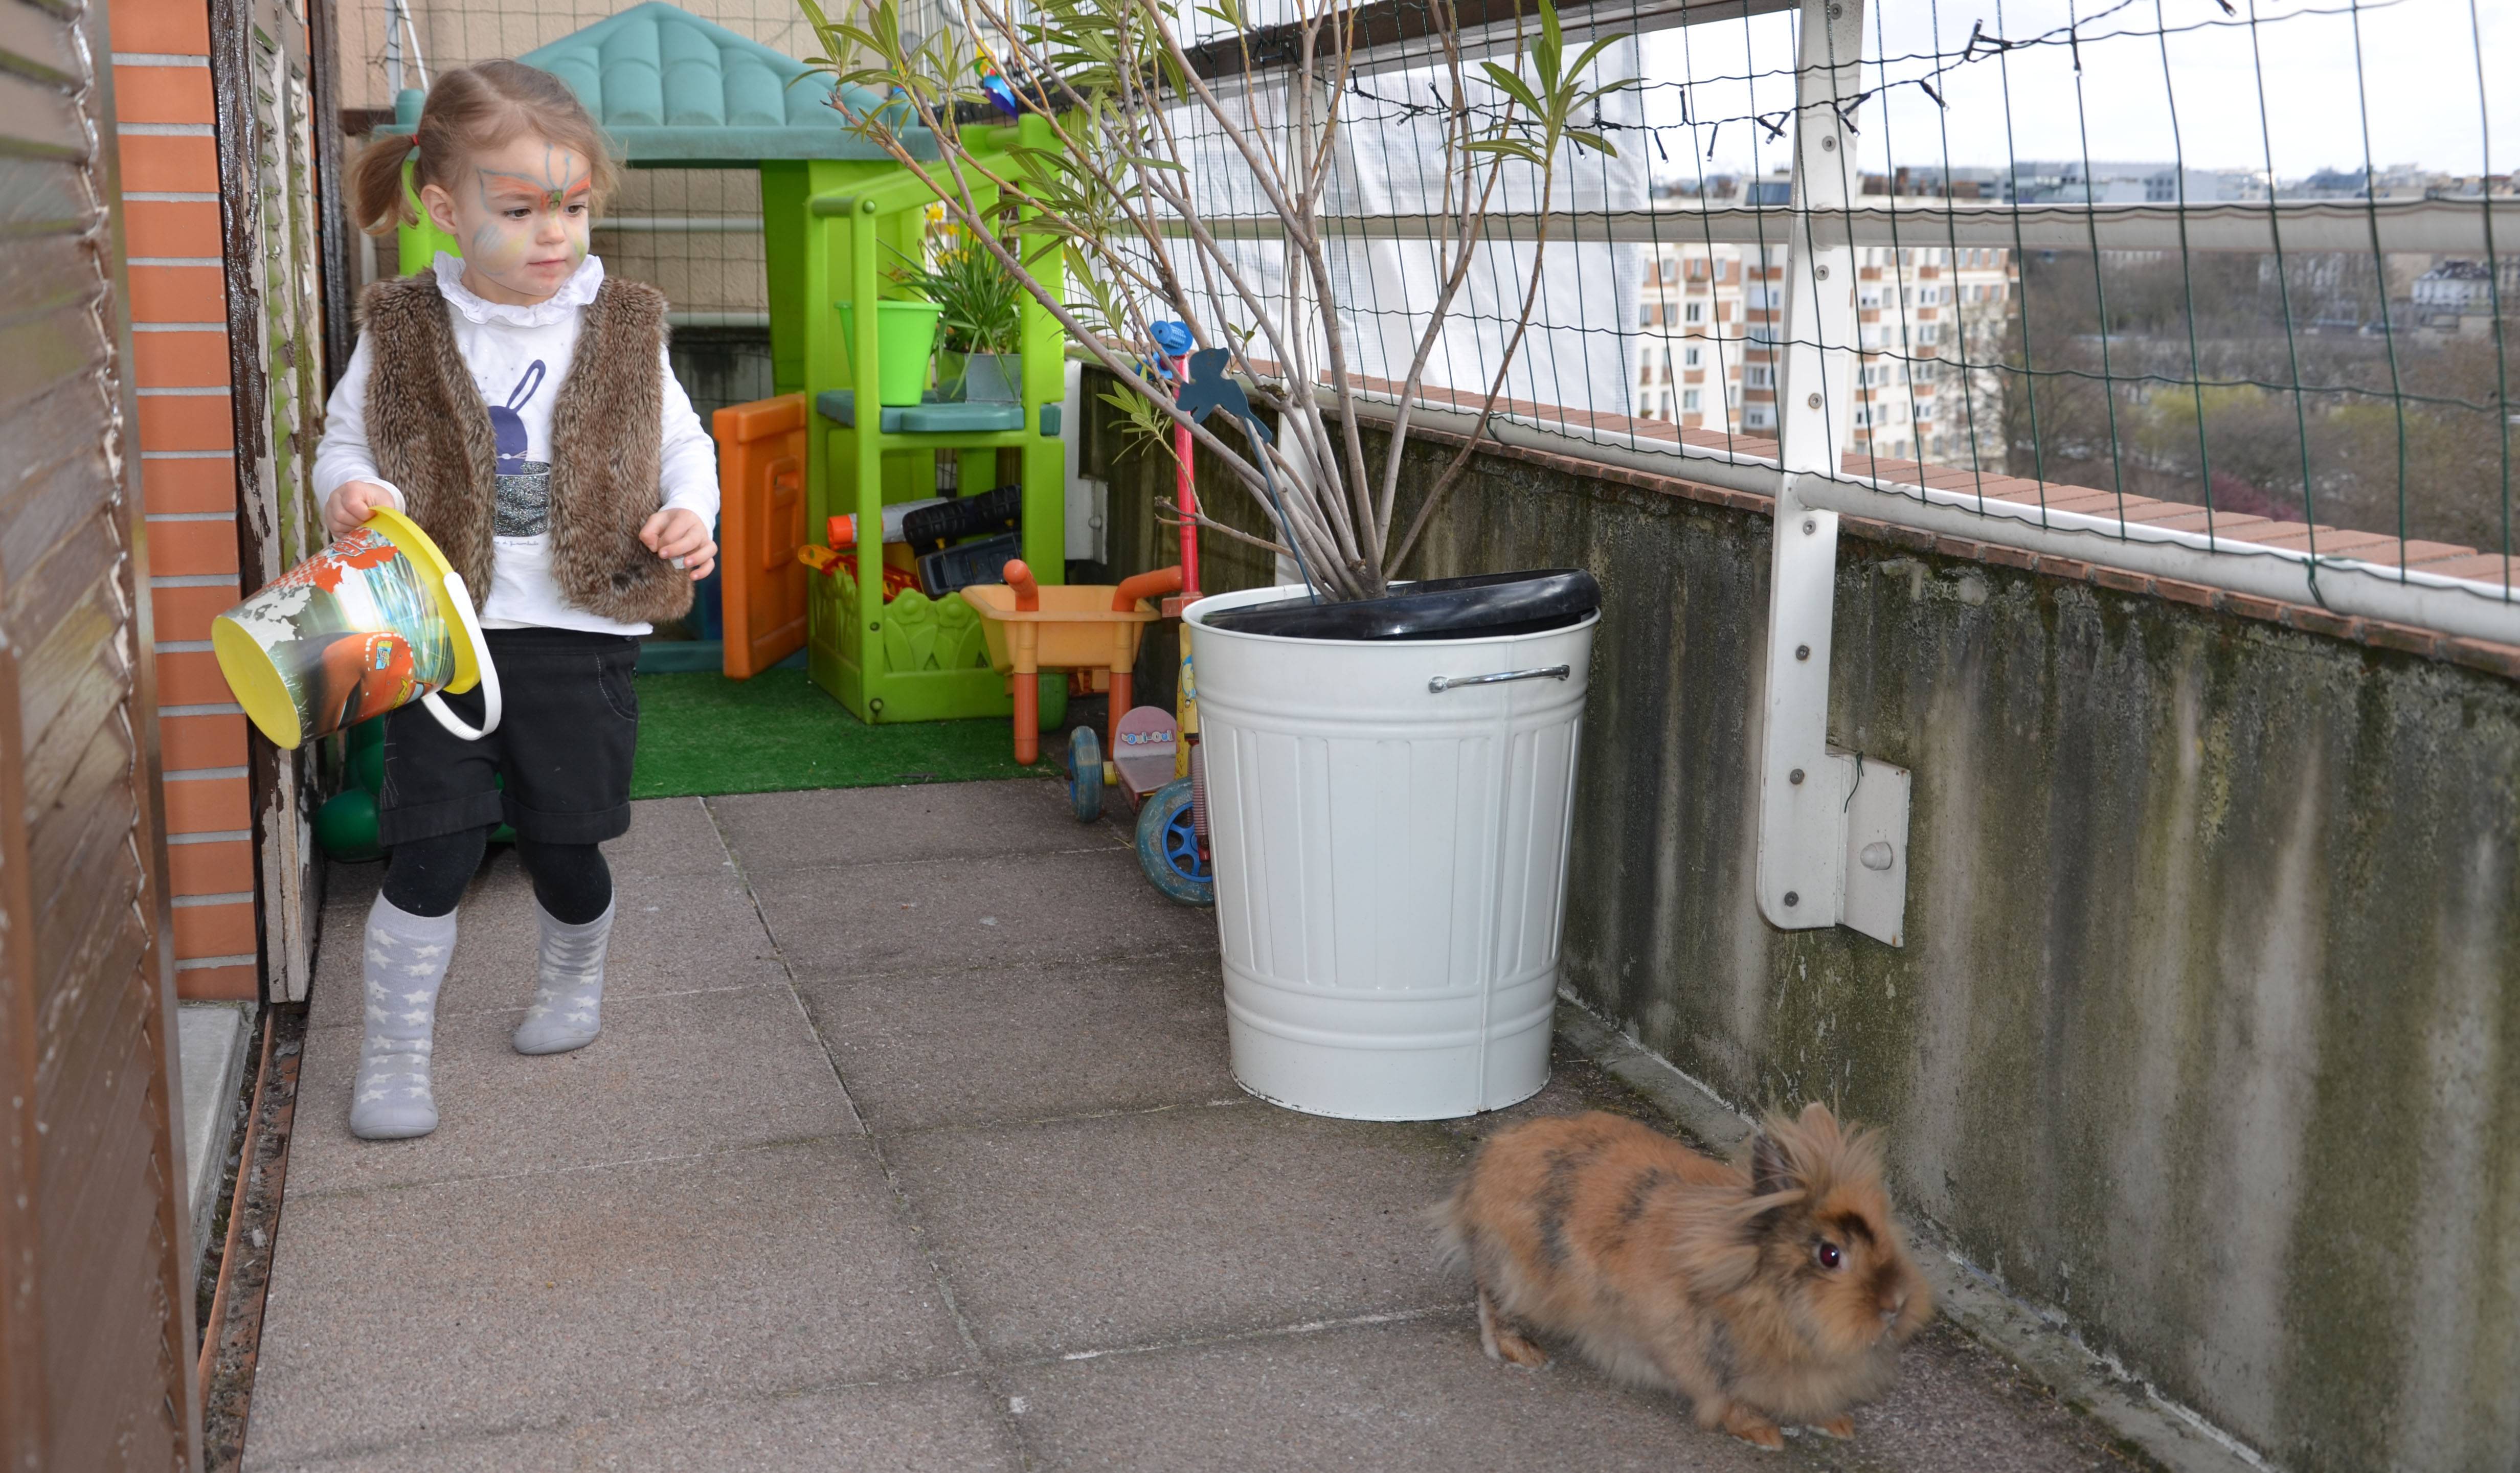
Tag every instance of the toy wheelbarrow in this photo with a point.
(1087, 626)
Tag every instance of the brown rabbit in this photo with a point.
(1777, 1293)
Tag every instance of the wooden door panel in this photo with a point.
(96, 811)
(95, 1343)
(102, 1242)
(58, 491)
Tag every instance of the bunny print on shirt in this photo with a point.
(524, 486)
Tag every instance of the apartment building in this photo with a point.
(1931, 325)
(1930, 322)
(1689, 338)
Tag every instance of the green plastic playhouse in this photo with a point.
(675, 91)
(910, 659)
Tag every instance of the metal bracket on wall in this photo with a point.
(1833, 825)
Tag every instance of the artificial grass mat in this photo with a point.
(701, 734)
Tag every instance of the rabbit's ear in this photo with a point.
(1770, 1172)
(526, 383)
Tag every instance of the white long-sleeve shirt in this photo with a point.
(519, 356)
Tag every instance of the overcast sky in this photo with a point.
(2418, 73)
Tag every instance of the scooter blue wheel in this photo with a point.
(1085, 774)
(1168, 846)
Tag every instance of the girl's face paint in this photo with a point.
(521, 214)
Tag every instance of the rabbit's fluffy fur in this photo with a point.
(1772, 1292)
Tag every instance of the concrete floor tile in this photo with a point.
(1421, 1395)
(1959, 1407)
(668, 836)
(947, 1425)
(670, 1076)
(959, 915)
(1154, 1228)
(1027, 1042)
(349, 887)
(1393, 1398)
(866, 826)
(670, 933)
(454, 1311)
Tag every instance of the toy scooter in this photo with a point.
(1155, 762)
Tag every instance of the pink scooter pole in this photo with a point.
(1186, 496)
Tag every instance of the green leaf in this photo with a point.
(1513, 87)
(1603, 44)
(1599, 93)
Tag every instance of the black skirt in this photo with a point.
(557, 770)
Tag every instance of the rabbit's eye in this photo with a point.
(1829, 1255)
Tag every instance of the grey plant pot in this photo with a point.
(981, 378)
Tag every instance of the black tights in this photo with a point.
(427, 876)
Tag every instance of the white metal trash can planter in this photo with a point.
(1389, 820)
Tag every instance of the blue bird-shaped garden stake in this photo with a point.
(1210, 390)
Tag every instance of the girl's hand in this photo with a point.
(676, 533)
(351, 504)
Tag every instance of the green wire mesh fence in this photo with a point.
(2215, 282)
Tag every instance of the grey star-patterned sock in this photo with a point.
(568, 1010)
(406, 960)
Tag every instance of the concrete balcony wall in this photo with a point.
(2207, 1030)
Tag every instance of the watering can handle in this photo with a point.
(462, 599)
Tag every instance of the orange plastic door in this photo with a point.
(761, 523)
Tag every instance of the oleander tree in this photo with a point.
(1137, 114)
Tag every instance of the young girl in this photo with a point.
(520, 407)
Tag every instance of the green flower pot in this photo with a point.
(905, 337)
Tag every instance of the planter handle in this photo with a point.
(1440, 684)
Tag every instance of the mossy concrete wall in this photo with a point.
(2207, 1030)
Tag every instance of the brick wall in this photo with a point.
(170, 180)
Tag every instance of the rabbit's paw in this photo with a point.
(1752, 1428)
(1501, 1342)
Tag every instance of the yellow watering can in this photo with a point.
(377, 620)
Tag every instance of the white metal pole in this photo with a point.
(393, 50)
(411, 32)
(1802, 792)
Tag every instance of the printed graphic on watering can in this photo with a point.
(374, 621)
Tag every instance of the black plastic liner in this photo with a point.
(1434, 608)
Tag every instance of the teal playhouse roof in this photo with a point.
(673, 89)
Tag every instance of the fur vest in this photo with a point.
(431, 435)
